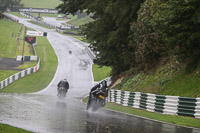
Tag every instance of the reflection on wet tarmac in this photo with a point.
(111, 122)
(46, 114)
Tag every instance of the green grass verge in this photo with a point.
(100, 72)
(51, 4)
(39, 80)
(81, 21)
(27, 65)
(9, 129)
(7, 42)
(179, 120)
(183, 84)
(72, 16)
(81, 38)
(6, 73)
(165, 80)
(28, 49)
(8, 45)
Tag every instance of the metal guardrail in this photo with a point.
(173, 105)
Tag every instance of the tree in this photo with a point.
(108, 34)
(148, 44)
(179, 24)
(10, 3)
(166, 27)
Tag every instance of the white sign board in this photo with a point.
(34, 33)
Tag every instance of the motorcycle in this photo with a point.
(96, 101)
(70, 52)
(62, 93)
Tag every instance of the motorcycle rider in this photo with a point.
(70, 52)
(65, 84)
(102, 86)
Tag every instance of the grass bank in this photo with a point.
(40, 79)
(168, 79)
(9, 129)
(100, 72)
(8, 39)
(6, 73)
(81, 21)
(9, 47)
(51, 4)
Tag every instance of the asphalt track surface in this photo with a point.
(43, 112)
(9, 64)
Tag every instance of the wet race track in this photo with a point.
(43, 112)
(46, 114)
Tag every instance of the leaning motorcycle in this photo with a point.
(96, 101)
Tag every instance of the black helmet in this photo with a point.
(104, 83)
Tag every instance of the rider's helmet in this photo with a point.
(104, 83)
(70, 52)
(64, 79)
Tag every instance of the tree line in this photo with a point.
(137, 34)
(10, 3)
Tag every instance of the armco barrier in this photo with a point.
(10, 17)
(26, 58)
(19, 75)
(173, 105)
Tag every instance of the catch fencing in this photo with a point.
(172, 105)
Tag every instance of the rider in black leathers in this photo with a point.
(63, 83)
(99, 87)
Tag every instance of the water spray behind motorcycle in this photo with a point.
(96, 101)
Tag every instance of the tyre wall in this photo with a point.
(172, 105)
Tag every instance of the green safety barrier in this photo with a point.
(173, 105)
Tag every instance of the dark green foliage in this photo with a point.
(108, 34)
(134, 34)
(166, 28)
(10, 3)
(149, 47)
(178, 23)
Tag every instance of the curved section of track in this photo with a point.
(43, 112)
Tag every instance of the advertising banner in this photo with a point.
(34, 33)
(32, 10)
